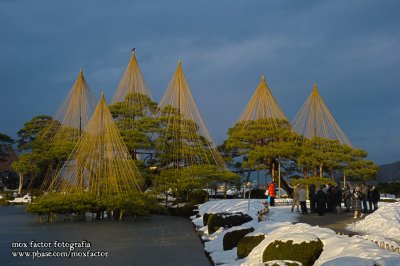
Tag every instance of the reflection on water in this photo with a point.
(160, 240)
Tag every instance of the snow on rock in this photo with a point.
(198, 222)
(298, 238)
(234, 205)
(282, 262)
(383, 222)
(215, 246)
(24, 199)
(224, 257)
(338, 249)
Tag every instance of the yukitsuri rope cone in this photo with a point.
(263, 113)
(185, 142)
(314, 120)
(99, 174)
(262, 105)
(74, 113)
(133, 110)
(100, 163)
(132, 82)
(60, 135)
(316, 124)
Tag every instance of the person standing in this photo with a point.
(330, 197)
(320, 199)
(271, 194)
(303, 199)
(311, 197)
(357, 202)
(296, 197)
(338, 199)
(347, 198)
(364, 195)
(376, 196)
(369, 198)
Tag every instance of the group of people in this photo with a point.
(364, 199)
(329, 199)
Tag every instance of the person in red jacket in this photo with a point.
(271, 193)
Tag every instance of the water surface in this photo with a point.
(160, 240)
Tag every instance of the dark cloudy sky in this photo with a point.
(350, 48)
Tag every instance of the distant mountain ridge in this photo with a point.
(389, 172)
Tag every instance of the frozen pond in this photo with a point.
(160, 240)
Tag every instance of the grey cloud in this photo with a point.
(350, 48)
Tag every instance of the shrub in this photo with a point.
(232, 238)
(205, 218)
(4, 202)
(187, 210)
(306, 253)
(139, 204)
(388, 200)
(390, 188)
(247, 244)
(216, 220)
(256, 194)
(198, 197)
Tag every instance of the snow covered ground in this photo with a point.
(338, 249)
(382, 225)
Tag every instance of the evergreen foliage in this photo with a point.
(135, 120)
(232, 238)
(198, 197)
(317, 181)
(5, 145)
(256, 194)
(206, 216)
(247, 244)
(306, 252)
(53, 203)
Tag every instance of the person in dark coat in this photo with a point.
(364, 197)
(321, 199)
(376, 196)
(348, 196)
(369, 198)
(338, 199)
(330, 197)
(311, 197)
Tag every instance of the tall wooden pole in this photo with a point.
(279, 179)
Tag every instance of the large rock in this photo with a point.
(217, 220)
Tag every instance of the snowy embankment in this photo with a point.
(338, 249)
(24, 199)
(382, 225)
